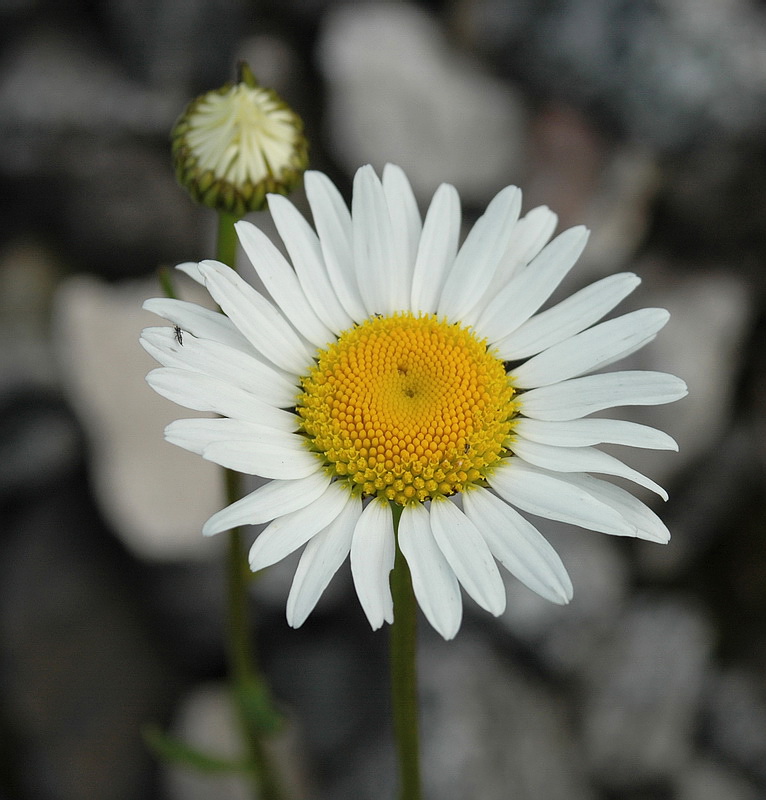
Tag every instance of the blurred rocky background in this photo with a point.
(645, 119)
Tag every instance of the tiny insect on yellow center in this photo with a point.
(408, 407)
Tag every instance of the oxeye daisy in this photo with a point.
(397, 380)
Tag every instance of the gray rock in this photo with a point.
(665, 73)
(563, 638)
(708, 780)
(80, 669)
(710, 315)
(735, 720)
(490, 731)
(640, 705)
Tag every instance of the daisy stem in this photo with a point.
(404, 689)
(226, 245)
(250, 693)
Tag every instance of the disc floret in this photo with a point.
(407, 407)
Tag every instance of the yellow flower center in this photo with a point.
(408, 408)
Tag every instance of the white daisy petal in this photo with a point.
(647, 525)
(597, 347)
(581, 396)
(305, 252)
(282, 283)
(552, 496)
(529, 236)
(264, 327)
(377, 268)
(567, 318)
(468, 555)
(527, 291)
(268, 461)
(217, 360)
(406, 227)
(587, 431)
(200, 322)
(518, 545)
(580, 459)
(287, 533)
(324, 554)
(333, 223)
(274, 499)
(437, 249)
(480, 254)
(198, 433)
(191, 268)
(204, 393)
(435, 585)
(372, 559)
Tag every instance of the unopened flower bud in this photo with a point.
(234, 145)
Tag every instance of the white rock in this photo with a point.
(155, 495)
(397, 92)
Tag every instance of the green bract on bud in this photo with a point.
(234, 145)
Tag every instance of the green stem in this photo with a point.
(404, 688)
(226, 244)
(250, 693)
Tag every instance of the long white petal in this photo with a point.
(333, 223)
(282, 283)
(204, 393)
(568, 317)
(375, 262)
(372, 559)
(191, 268)
(435, 585)
(581, 396)
(305, 252)
(197, 434)
(262, 324)
(580, 459)
(468, 555)
(199, 321)
(518, 545)
(222, 361)
(597, 347)
(480, 254)
(323, 555)
(647, 525)
(406, 227)
(266, 460)
(530, 234)
(437, 249)
(551, 495)
(273, 499)
(589, 431)
(527, 291)
(286, 534)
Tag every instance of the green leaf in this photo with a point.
(169, 749)
(257, 706)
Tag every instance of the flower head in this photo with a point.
(234, 145)
(394, 370)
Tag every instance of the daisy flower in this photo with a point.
(395, 375)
